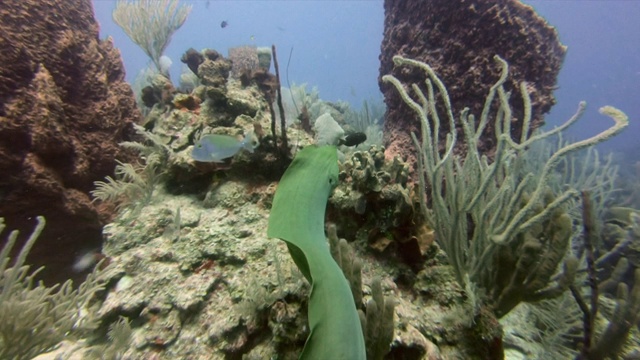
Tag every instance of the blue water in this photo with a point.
(336, 46)
(335, 43)
(602, 65)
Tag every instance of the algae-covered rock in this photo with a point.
(214, 73)
(373, 199)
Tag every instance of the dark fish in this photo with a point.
(354, 139)
(224, 24)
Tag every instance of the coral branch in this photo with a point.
(501, 226)
(283, 122)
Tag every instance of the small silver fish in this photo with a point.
(87, 260)
(215, 148)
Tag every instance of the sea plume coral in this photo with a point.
(33, 317)
(151, 23)
(477, 207)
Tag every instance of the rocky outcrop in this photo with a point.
(64, 107)
(458, 39)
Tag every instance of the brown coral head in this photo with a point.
(150, 96)
(189, 102)
(246, 77)
(167, 94)
(266, 82)
(212, 54)
(193, 59)
(258, 130)
(305, 120)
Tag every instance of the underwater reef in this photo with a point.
(458, 39)
(246, 228)
(64, 108)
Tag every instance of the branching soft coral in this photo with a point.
(477, 206)
(34, 318)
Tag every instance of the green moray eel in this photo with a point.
(297, 217)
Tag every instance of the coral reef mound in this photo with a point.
(64, 106)
(458, 38)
